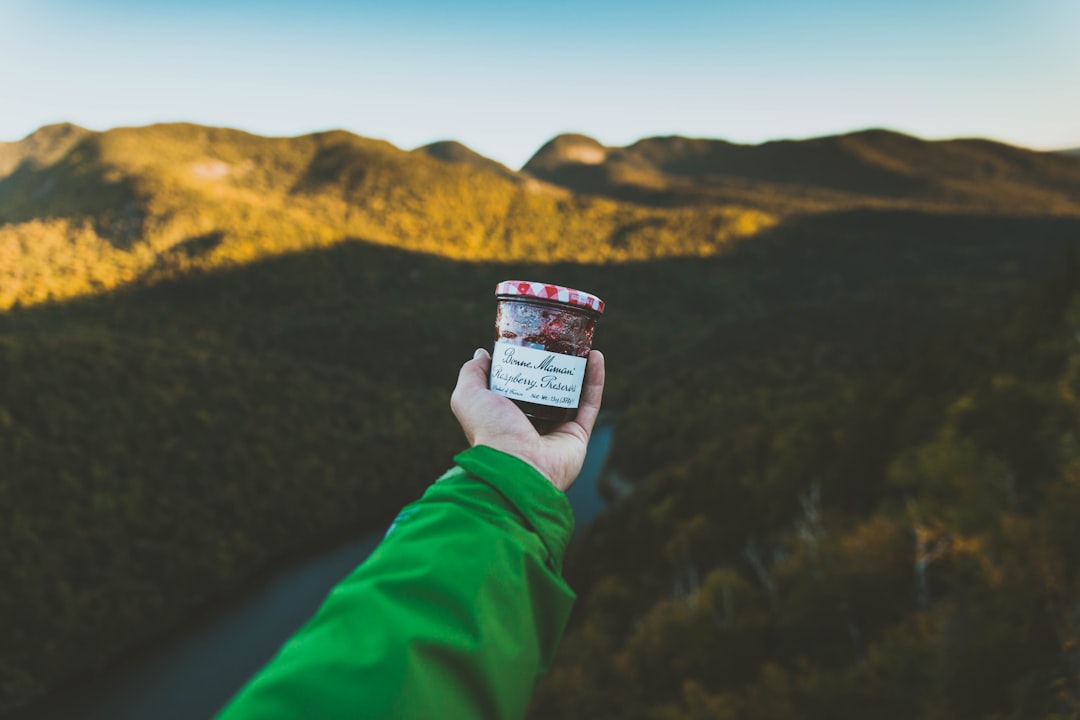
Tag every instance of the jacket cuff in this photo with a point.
(544, 507)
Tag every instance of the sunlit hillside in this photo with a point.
(82, 212)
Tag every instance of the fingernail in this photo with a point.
(480, 353)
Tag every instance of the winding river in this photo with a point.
(193, 671)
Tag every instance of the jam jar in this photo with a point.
(543, 334)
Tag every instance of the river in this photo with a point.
(195, 669)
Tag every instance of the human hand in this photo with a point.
(493, 420)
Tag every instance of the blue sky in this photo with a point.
(504, 77)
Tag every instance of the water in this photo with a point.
(194, 671)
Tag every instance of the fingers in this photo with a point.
(592, 392)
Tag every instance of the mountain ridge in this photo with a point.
(84, 211)
(104, 209)
(865, 167)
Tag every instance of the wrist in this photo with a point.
(515, 450)
(538, 500)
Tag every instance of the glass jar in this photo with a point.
(543, 334)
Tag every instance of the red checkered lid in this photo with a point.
(544, 291)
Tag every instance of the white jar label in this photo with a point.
(536, 376)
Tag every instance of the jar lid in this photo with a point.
(556, 293)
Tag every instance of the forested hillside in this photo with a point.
(832, 531)
(220, 349)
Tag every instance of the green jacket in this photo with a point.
(455, 615)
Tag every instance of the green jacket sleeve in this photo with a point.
(455, 615)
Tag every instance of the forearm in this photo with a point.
(454, 615)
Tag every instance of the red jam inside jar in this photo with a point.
(543, 334)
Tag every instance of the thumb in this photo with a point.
(474, 373)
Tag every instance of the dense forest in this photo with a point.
(851, 433)
(891, 532)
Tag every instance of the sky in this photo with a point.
(505, 77)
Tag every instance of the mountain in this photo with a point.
(566, 150)
(452, 151)
(43, 147)
(87, 211)
(1074, 152)
(876, 168)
